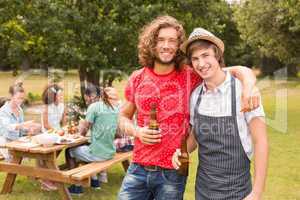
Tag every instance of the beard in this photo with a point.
(157, 59)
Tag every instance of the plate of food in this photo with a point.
(64, 140)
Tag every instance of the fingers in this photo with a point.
(148, 136)
(175, 161)
(256, 98)
(250, 100)
(245, 101)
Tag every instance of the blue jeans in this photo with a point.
(140, 184)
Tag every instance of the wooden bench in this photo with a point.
(86, 171)
(80, 175)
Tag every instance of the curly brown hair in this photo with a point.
(148, 40)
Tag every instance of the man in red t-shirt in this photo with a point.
(167, 84)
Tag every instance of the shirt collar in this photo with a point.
(220, 88)
(7, 107)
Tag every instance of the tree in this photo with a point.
(96, 37)
(272, 27)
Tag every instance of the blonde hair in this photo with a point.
(148, 40)
(15, 88)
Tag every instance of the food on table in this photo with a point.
(60, 132)
(72, 127)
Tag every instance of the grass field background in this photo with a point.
(283, 182)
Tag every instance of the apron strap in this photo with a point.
(233, 97)
(198, 102)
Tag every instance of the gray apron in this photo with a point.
(224, 168)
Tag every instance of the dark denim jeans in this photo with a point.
(140, 184)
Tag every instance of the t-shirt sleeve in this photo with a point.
(258, 112)
(91, 113)
(130, 88)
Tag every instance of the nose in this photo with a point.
(200, 64)
(166, 44)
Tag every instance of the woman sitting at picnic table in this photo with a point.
(101, 119)
(53, 118)
(54, 113)
(12, 124)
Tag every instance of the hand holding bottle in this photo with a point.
(148, 136)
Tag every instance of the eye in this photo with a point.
(194, 59)
(173, 40)
(160, 39)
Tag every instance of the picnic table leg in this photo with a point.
(61, 186)
(125, 164)
(10, 178)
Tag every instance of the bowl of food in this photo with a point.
(46, 139)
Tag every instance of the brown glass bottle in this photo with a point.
(183, 158)
(153, 125)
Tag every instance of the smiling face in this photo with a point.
(205, 62)
(166, 45)
(18, 98)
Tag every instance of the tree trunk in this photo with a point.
(82, 78)
(292, 70)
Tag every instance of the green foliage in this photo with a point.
(103, 35)
(94, 34)
(31, 97)
(273, 27)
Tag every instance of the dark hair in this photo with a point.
(205, 44)
(105, 97)
(50, 93)
(15, 88)
(99, 92)
(92, 89)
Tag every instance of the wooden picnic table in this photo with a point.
(19, 150)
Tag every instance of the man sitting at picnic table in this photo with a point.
(101, 119)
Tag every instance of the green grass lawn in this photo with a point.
(283, 182)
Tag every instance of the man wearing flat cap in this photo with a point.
(225, 136)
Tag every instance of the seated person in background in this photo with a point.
(101, 119)
(54, 114)
(53, 117)
(123, 142)
(12, 124)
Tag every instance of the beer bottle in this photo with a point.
(153, 125)
(184, 158)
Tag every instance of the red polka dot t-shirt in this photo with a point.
(171, 93)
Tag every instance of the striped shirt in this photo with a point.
(217, 103)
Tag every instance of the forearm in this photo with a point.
(84, 127)
(260, 141)
(126, 126)
(260, 165)
(46, 124)
(64, 119)
(244, 74)
(191, 142)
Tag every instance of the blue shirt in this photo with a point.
(8, 122)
